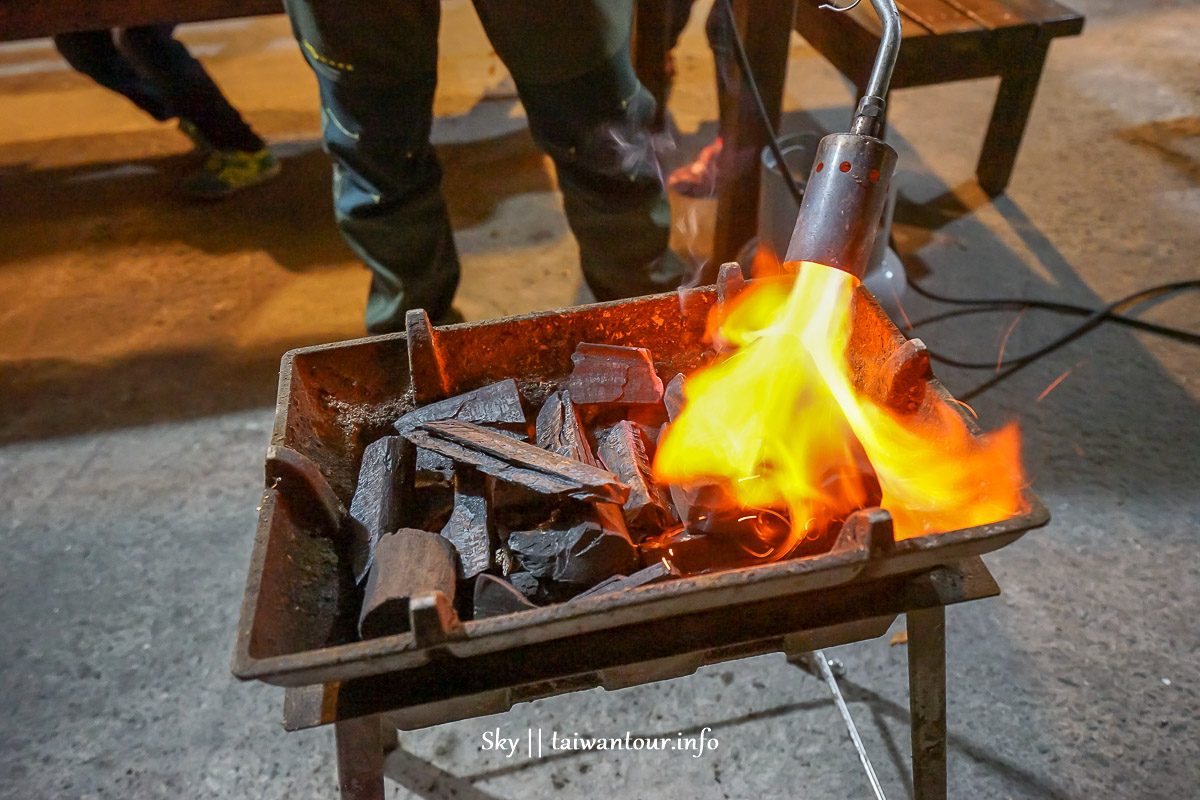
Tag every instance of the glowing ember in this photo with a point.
(779, 425)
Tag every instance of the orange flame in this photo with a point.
(779, 425)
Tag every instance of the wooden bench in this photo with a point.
(33, 19)
(954, 40)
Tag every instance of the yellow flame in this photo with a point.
(778, 424)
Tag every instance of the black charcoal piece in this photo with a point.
(518, 462)
(581, 549)
(432, 469)
(381, 492)
(408, 563)
(468, 529)
(527, 585)
(655, 573)
(694, 503)
(536, 550)
(606, 373)
(495, 404)
(559, 429)
(622, 450)
(495, 597)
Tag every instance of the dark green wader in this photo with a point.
(376, 64)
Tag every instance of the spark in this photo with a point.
(764, 554)
(748, 516)
(967, 407)
(900, 306)
(1056, 382)
(1004, 341)
(748, 478)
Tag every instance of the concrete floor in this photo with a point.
(139, 341)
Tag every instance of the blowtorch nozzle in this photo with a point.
(847, 188)
(843, 202)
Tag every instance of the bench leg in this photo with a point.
(766, 29)
(1011, 112)
(360, 744)
(927, 701)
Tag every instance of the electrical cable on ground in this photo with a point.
(1095, 318)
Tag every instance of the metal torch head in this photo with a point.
(848, 186)
(843, 202)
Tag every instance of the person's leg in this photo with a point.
(376, 66)
(188, 88)
(588, 111)
(699, 178)
(93, 53)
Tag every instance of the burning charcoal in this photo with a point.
(581, 550)
(529, 586)
(649, 417)
(694, 552)
(378, 497)
(694, 503)
(651, 433)
(655, 573)
(495, 597)
(622, 449)
(560, 431)
(497, 403)
(467, 528)
(518, 462)
(606, 373)
(768, 526)
(408, 564)
(673, 397)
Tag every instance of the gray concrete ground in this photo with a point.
(126, 525)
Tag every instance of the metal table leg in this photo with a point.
(360, 758)
(927, 701)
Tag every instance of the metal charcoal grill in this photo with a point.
(297, 626)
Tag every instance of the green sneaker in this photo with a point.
(199, 140)
(227, 172)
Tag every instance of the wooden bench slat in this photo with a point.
(1053, 17)
(938, 16)
(862, 14)
(31, 19)
(989, 13)
(993, 14)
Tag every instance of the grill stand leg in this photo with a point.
(360, 744)
(927, 701)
